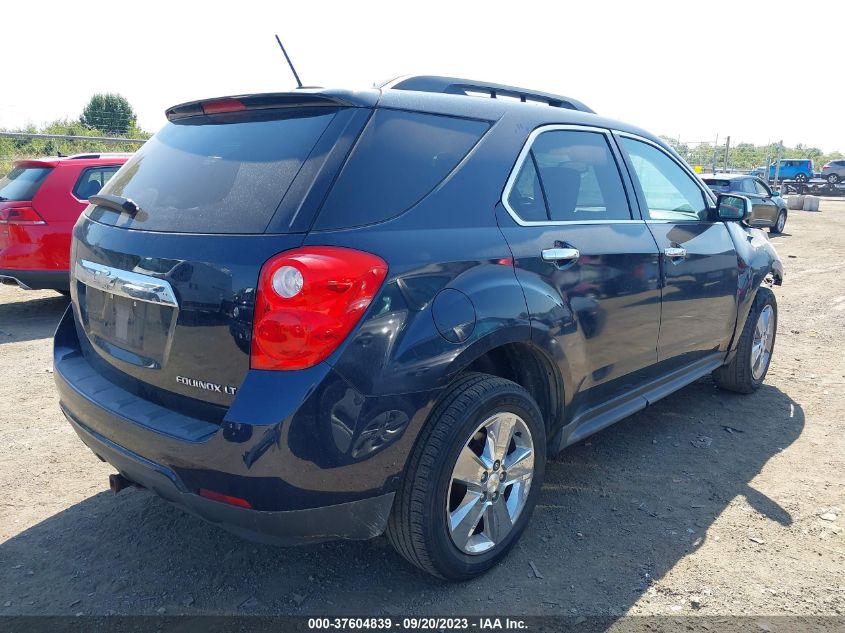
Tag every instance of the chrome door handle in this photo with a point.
(560, 254)
(674, 252)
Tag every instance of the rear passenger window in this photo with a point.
(92, 180)
(526, 195)
(569, 176)
(400, 157)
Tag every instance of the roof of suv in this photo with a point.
(427, 93)
(86, 159)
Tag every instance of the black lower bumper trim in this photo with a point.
(37, 279)
(356, 520)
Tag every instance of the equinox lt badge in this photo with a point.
(208, 386)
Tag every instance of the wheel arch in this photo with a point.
(758, 264)
(518, 359)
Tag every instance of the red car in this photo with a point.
(40, 200)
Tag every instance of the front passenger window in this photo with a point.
(670, 193)
(748, 186)
(761, 189)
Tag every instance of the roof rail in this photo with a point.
(472, 88)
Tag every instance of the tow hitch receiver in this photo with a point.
(118, 482)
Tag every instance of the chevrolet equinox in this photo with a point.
(328, 314)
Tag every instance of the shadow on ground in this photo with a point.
(617, 512)
(30, 319)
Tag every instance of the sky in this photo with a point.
(758, 72)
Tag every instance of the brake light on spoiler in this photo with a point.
(220, 106)
(242, 103)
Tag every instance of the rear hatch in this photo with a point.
(163, 285)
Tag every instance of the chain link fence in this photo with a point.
(22, 145)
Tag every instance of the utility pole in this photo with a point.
(727, 149)
(715, 159)
(777, 162)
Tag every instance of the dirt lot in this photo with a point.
(708, 503)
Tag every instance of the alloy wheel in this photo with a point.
(761, 346)
(490, 483)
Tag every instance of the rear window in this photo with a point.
(400, 157)
(206, 176)
(718, 185)
(22, 182)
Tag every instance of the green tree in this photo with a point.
(110, 113)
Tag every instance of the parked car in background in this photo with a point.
(428, 292)
(40, 200)
(834, 171)
(768, 208)
(800, 169)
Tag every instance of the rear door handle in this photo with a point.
(674, 252)
(560, 254)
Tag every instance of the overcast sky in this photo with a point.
(757, 71)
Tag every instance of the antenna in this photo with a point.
(290, 63)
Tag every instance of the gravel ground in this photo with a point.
(708, 502)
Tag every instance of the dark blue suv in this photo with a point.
(328, 314)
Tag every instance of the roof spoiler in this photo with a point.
(470, 87)
(268, 101)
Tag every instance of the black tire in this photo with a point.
(833, 178)
(417, 527)
(777, 229)
(737, 375)
(801, 177)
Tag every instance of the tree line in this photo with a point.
(747, 156)
(104, 115)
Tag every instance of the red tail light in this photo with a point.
(308, 301)
(20, 215)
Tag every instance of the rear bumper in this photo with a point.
(361, 519)
(299, 447)
(36, 279)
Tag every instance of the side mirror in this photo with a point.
(731, 207)
(775, 194)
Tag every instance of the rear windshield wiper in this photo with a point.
(118, 203)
